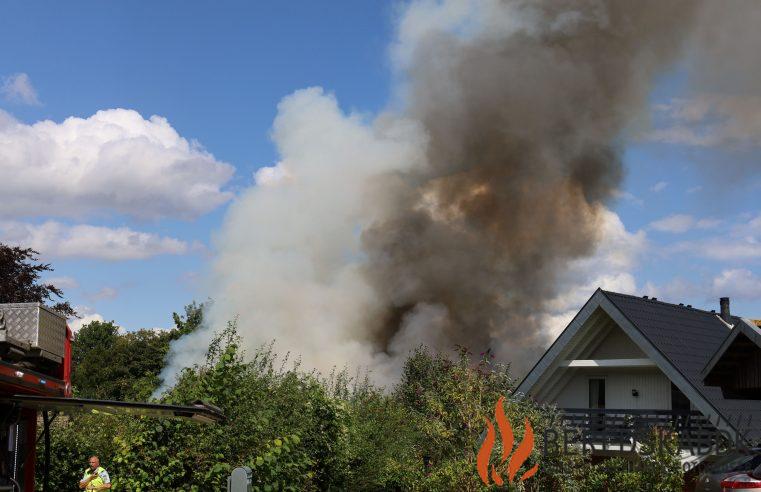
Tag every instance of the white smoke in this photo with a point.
(543, 91)
(289, 263)
(289, 255)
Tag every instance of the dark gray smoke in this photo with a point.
(454, 219)
(525, 128)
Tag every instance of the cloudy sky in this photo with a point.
(126, 131)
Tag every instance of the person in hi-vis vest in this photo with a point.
(95, 477)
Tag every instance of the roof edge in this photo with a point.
(693, 393)
(531, 378)
(744, 326)
(601, 299)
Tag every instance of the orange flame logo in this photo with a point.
(520, 456)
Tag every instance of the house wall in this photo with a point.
(653, 386)
(617, 345)
(575, 394)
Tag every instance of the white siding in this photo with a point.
(572, 390)
(654, 389)
(575, 394)
(616, 345)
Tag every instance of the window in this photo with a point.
(596, 393)
(736, 462)
(679, 402)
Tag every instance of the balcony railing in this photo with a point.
(618, 428)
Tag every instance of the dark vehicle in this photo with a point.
(734, 463)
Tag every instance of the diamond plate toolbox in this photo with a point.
(39, 326)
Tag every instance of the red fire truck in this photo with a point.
(35, 386)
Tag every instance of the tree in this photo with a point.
(117, 366)
(135, 359)
(300, 431)
(190, 321)
(20, 279)
(90, 348)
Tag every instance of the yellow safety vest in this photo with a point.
(97, 481)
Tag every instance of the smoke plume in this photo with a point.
(454, 219)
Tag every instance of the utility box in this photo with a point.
(240, 480)
(30, 329)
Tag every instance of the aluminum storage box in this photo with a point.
(32, 323)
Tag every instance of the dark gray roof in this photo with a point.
(688, 338)
(752, 334)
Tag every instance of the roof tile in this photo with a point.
(688, 337)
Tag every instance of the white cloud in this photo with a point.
(695, 189)
(750, 228)
(55, 239)
(113, 161)
(158, 329)
(554, 324)
(18, 88)
(724, 249)
(63, 282)
(272, 176)
(708, 120)
(676, 290)
(609, 268)
(741, 243)
(678, 223)
(674, 223)
(659, 186)
(629, 197)
(190, 279)
(619, 249)
(738, 283)
(87, 315)
(105, 293)
(707, 223)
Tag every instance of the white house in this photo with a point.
(627, 361)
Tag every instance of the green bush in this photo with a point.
(654, 468)
(299, 431)
(281, 423)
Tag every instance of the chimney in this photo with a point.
(725, 315)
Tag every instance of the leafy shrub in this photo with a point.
(654, 468)
(299, 431)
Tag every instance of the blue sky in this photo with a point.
(217, 71)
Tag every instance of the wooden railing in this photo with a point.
(610, 428)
